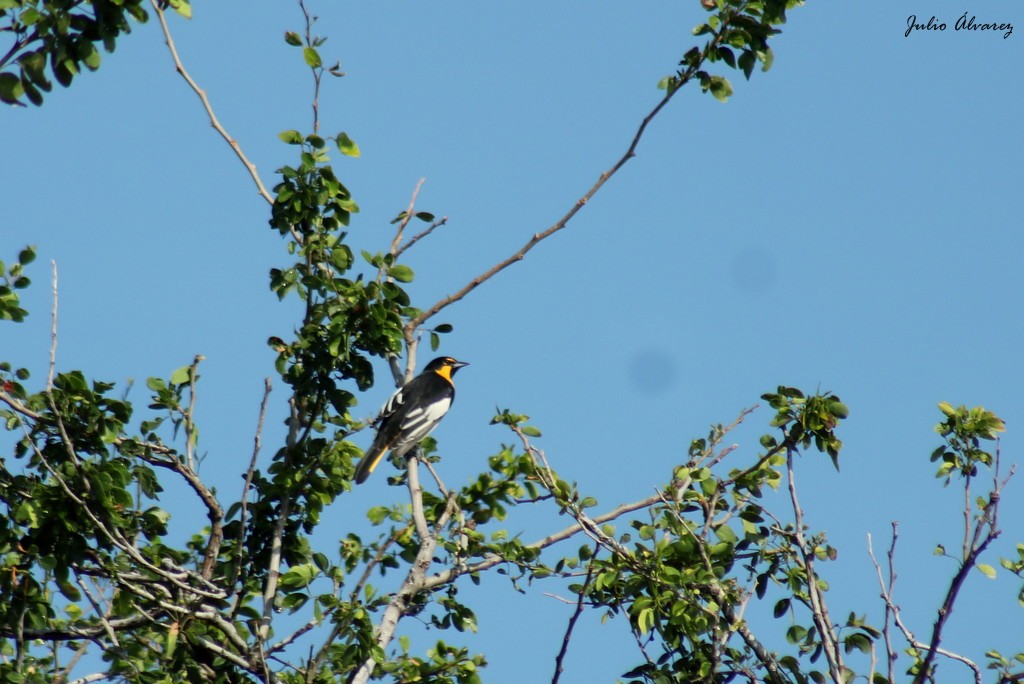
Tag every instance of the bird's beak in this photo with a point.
(459, 364)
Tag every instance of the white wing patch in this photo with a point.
(419, 423)
(392, 404)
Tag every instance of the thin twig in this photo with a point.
(419, 236)
(819, 610)
(886, 587)
(684, 78)
(180, 68)
(415, 580)
(190, 421)
(249, 474)
(416, 496)
(894, 610)
(560, 658)
(274, 563)
(405, 219)
(317, 71)
(101, 614)
(53, 330)
(979, 542)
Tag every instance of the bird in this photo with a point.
(411, 413)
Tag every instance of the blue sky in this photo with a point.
(849, 220)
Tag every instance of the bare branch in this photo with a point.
(419, 236)
(249, 474)
(53, 330)
(19, 407)
(892, 609)
(317, 71)
(180, 68)
(985, 532)
(190, 422)
(537, 238)
(415, 580)
(88, 679)
(886, 587)
(819, 610)
(100, 612)
(561, 223)
(560, 658)
(214, 511)
(405, 219)
(416, 496)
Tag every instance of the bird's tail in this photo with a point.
(369, 461)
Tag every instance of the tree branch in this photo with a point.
(819, 610)
(890, 654)
(405, 219)
(415, 580)
(244, 505)
(630, 152)
(53, 331)
(180, 68)
(560, 658)
(979, 543)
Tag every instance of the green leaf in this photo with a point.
(181, 375)
(10, 88)
(721, 88)
(986, 570)
(182, 7)
(530, 431)
(312, 57)
(291, 137)
(645, 620)
(26, 256)
(347, 146)
(401, 273)
(90, 56)
(292, 38)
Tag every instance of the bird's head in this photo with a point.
(445, 366)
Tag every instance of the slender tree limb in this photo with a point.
(214, 511)
(101, 614)
(53, 330)
(317, 661)
(449, 575)
(250, 473)
(561, 223)
(180, 68)
(394, 251)
(416, 496)
(20, 408)
(317, 71)
(274, 563)
(419, 236)
(985, 532)
(88, 679)
(414, 582)
(537, 238)
(75, 632)
(819, 610)
(560, 658)
(189, 414)
(886, 586)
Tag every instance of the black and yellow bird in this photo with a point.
(412, 413)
